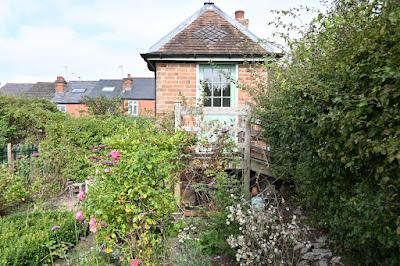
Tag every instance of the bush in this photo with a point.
(13, 188)
(331, 116)
(24, 120)
(66, 148)
(30, 239)
(131, 200)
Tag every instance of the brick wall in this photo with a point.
(175, 81)
(76, 109)
(146, 107)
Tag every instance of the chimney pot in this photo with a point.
(239, 16)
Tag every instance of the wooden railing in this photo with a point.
(245, 133)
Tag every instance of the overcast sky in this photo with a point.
(92, 38)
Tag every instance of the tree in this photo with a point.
(331, 114)
(102, 105)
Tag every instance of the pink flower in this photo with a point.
(107, 170)
(135, 262)
(79, 216)
(93, 225)
(81, 195)
(116, 155)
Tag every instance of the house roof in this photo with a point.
(74, 92)
(15, 89)
(209, 32)
(41, 90)
(143, 89)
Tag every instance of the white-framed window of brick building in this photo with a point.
(133, 108)
(217, 86)
(62, 108)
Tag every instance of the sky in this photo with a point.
(93, 39)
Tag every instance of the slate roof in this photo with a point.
(143, 89)
(75, 91)
(209, 31)
(41, 90)
(69, 96)
(15, 89)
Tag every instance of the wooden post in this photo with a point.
(10, 157)
(178, 116)
(246, 155)
(178, 122)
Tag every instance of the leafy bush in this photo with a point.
(331, 116)
(13, 188)
(66, 148)
(22, 119)
(32, 238)
(131, 200)
(102, 105)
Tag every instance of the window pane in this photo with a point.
(207, 90)
(227, 90)
(226, 102)
(225, 75)
(217, 102)
(217, 90)
(207, 101)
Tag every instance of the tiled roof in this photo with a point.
(98, 88)
(15, 89)
(143, 89)
(41, 90)
(210, 31)
(74, 92)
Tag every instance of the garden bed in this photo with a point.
(37, 238)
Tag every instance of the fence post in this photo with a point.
(178, 122)
(10, 157)
(246, 154)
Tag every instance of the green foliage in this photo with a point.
(189, 253)
(102, 105)
(331, 115)
(13, 188)
(134, 197)
(24, 120)
(66, 148)
(226, 193)
(28, 238)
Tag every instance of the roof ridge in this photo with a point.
(209, 7)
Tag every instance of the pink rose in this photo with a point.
(93, 225)
(116, 155)
(79, 216)
(81, 195)
(135, 262)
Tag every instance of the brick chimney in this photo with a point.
(239, 16)
(127, 83)
(59, 84)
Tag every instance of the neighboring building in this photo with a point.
(204, 59)
(137, 94)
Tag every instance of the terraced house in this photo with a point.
(205, 59)
(137, 94)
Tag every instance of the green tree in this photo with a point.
(102, 105)
(331, 115)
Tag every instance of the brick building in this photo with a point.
(137, 94)
(205, 60)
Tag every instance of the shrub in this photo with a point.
(331, 116)
(24, 120)
(66, 148)
(31, 238)
(131, 200)
(264, 237)
(13, 188)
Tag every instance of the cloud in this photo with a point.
(39, 38)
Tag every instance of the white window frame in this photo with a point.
(62, 108)
(133, 108)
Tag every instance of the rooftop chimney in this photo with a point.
(59, 84)
(239, 16)
(127, 83)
